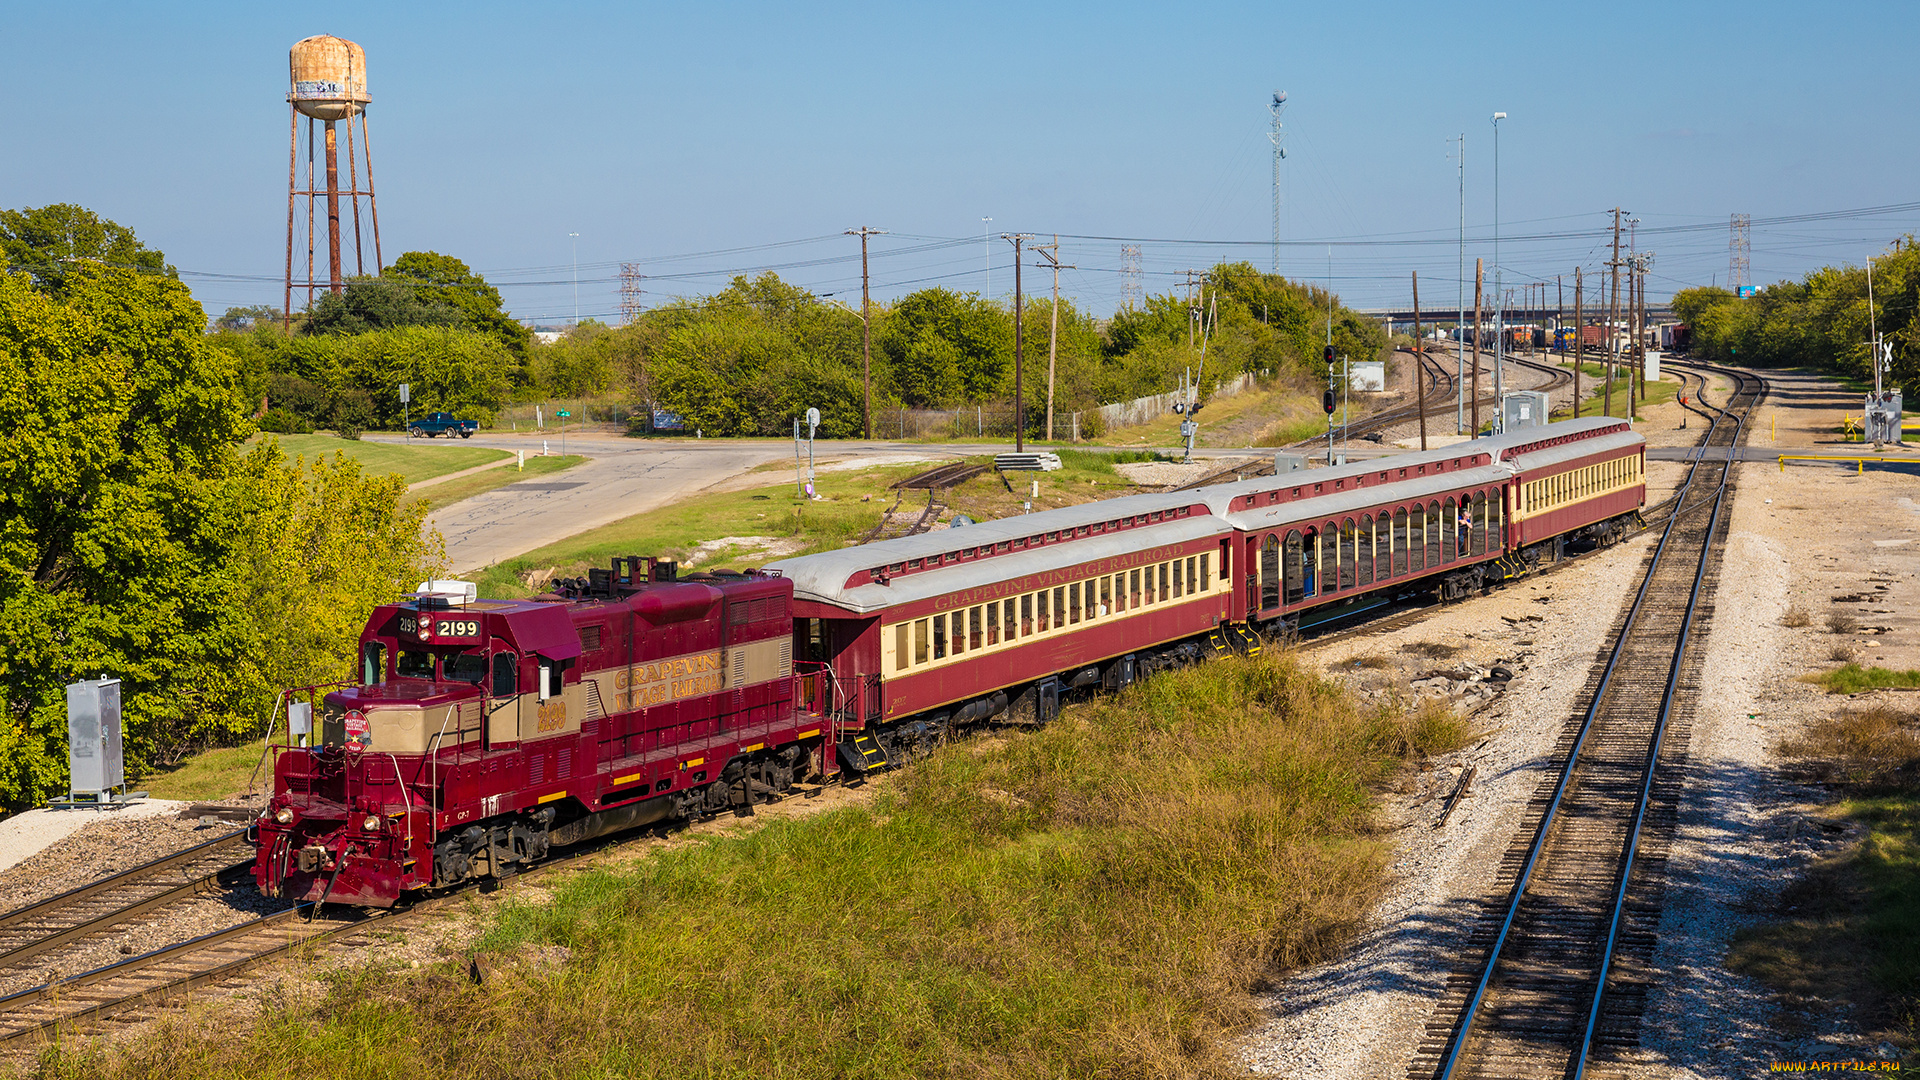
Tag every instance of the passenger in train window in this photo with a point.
(993, 623)
(1026, 615)
(1150, 593)
(960, 631)
(1044, 620)
(973, 628)
(1012, 624)
(1073, 603)
(1059, 607)
(939, 637)
(1106, 595)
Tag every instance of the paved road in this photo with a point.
(625, 476)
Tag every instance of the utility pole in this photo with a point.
(1613, 319)
(1051, 252)
(1579, 344)
(1418, 346)
(1479, 271)
(866, 331)
(1019, 347)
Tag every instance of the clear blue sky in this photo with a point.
(677, 135)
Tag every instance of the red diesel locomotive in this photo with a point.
(481, 732)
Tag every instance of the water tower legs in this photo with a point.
(333, 210)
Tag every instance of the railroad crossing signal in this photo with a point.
(1327, 355)
(1326, 402)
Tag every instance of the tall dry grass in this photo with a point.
(1096, 898)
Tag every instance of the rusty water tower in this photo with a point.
(328, 78)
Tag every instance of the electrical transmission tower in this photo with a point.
(1130, 295)
(1739, 229)
(630, 278)
(1278, 106)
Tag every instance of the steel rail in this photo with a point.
(1470, 1013)
(1645, 796)
(209, 882)
(42, 907)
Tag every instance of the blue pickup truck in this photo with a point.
(436, 424)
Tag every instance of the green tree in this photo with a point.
(369, 303)
(444, 280)
(943, 348)
(119, 424)
(49, 241)
(136, 541)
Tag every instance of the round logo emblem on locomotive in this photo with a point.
(358, 735)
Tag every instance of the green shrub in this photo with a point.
(282, 422)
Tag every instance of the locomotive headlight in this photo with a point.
(372, 824)
(426, 629)
(284, 815)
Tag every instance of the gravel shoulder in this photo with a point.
(1745, 830)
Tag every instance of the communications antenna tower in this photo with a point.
(1130, 295)
(1278, 106)
(630, 278)
(1739, 230)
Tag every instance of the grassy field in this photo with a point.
(1847, 933)
(1851, 678)
(414, 461)
(466, 487)
(211, 774)
(1092, 899)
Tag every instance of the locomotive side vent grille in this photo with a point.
(566, 763)
(786, 654)
(537, 769)
(590, 638)
(739, 676)
(595, 708)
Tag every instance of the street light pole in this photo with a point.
(1499, 297)
(986, 233)
(576, 277)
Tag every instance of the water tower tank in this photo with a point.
(329, 77)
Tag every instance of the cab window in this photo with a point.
(413, 665)
(373, 664)
(467, 668)
(506, 674)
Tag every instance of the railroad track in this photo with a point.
(204, 869)
(1433, 401)
(1559, 975)
(81, 1003)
